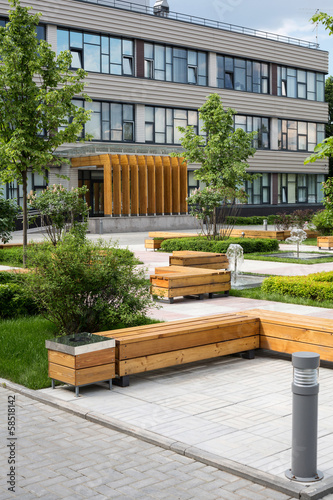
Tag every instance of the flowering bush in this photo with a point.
(61, 210)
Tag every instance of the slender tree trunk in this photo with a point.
(25, 216)
(214, 223)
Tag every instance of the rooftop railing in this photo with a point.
(176, 16)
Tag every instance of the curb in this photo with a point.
(296, 490)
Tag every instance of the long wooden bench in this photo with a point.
(206, 260)
(156, 238)
(288, 333)
(177, 281)
(162, 345)
(258, 233)
(151, 347)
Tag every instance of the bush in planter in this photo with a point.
(249, 245)
(85, 286)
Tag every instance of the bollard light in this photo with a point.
(243, 234)
(100, 226)
(265, 224)
(305, 388)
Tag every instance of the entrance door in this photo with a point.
(97, 197)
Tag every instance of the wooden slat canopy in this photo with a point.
(140, 185)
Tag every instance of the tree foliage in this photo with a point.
(222, 153)
(36, 92)
(325, 148)
(61, 210)
(9, 211)
(87, 286)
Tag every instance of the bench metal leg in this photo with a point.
(171, 300)
(226, 293)
(77, 390)
(122, 381)
(110, 384)
(248, 354)
(210, 295)
(201, 296)
(53, 383)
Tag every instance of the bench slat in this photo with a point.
(163, 360)
(187, 339)
(190, 290)
(288, 346)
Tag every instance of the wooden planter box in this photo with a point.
(81, 360)
(325, 242)
(205, 260)
(177, 281)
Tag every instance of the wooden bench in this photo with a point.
(325, 242)
(156, 238)
(255, 233)
(151, 347)
(206, 260)
(177, 281)
(288, 333)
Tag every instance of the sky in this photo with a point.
(285, 17)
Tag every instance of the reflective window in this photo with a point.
(259, 190)
(240, 74)
(96, 53)
(174, 64)
(161, 124)
(300, 188)
(254, 124)
(299, 136)
(109, 121)
(300, 84)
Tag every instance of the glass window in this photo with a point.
(162, 124)
(76, 40)
(300, 84)
(175, 64)
(300, 136)
(92, 57)
(62, 40)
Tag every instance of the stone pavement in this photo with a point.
(62, 456)
(228, 413)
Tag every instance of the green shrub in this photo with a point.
(14, 301)
(323, 222)
(85, 286)
(255, 220)
(249, 245)
(13, 256)
(316, 286)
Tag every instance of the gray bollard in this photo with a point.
(265, 224)
(305, 390)
(100, 226)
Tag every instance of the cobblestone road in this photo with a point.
(61, 456)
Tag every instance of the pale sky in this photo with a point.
(285, 17)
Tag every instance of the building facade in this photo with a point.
(149, 74)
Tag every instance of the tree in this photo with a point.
(61, 211)
(325, 148)
(222, 153)
(36, 92)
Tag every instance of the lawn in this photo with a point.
(23, 357)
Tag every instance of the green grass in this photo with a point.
(264, 256)
(310, 241)
(23, 356)
(258, 294)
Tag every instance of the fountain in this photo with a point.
(297, 236)
(236, 259)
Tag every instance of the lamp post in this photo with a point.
(305, 388)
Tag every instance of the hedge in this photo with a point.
(249, 245)
(316, 286)
(255, 220)
(12, 255)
